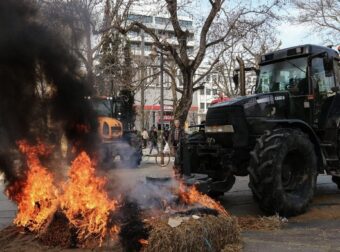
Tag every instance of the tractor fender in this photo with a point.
(294, 123)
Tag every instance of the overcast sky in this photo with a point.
(289, 34)
(292, 35)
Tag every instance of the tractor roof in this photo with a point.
(296, 51)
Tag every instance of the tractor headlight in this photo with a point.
(220, 129)
(106, 129)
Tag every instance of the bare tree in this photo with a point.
(228, 23)
(322, 15)
(250, 48)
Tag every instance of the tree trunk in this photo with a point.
(183, 108)
(173, 88)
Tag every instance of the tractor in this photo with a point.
(282, 135)
(116, 129)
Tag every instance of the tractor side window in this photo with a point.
(337, 72)
(321, 83)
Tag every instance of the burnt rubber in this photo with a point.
(282, 171)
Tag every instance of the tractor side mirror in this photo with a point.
(236, 80)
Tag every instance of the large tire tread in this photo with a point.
(264, 174)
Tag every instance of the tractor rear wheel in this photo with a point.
(282, 171)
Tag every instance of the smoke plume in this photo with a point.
(29, 52)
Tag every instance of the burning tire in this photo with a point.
(336, 180)
(282, 171)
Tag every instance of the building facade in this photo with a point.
(141, 47)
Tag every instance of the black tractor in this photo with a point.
(282, 135)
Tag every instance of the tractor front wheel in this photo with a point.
(282, 171)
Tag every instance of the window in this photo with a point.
(285, 75)
(208, 91)
(133, 33)
(135, 46)
(185, 23)
(337, 72)
(207, 78)
(147, 48)
(214, 91)
(321, 82)
(161, 20)
(214, 77)
(202, 105)
(202, 91)
(141, 18)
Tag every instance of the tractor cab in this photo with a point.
(110, 127)
(310, 74)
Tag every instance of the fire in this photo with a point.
(82, 198)
(36, 196)
(143, 242)
(190, 195)
(84, 202)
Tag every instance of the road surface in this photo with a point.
(317, 230)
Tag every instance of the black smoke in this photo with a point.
(29, 50)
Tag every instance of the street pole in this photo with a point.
(162, 107)
(142, 86)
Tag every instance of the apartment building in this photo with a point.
(141, 46)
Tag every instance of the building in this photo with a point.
(141, 46)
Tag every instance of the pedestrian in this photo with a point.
(153, 139)
(165, 135)
(175, 136)
(145, 137)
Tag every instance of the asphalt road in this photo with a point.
(317, 230)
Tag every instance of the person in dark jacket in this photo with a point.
(153, 136)
(175, 136)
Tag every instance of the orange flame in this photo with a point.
(143, 242)
(190, 195)
(84, 202)
(37, 197)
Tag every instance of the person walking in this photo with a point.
(153, 140)
(175, 136)
(145, 137)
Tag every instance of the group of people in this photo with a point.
(171, 137)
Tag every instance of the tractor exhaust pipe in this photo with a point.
(242, 80)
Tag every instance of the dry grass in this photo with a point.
(252, 223)
(233, 247)
(209, 233)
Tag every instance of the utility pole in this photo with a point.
(142, 84)
(162, 107)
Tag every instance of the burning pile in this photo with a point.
(76, 209)
(81, 199)
(80, 211)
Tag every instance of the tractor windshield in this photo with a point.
(102, 107)
(288, 75)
